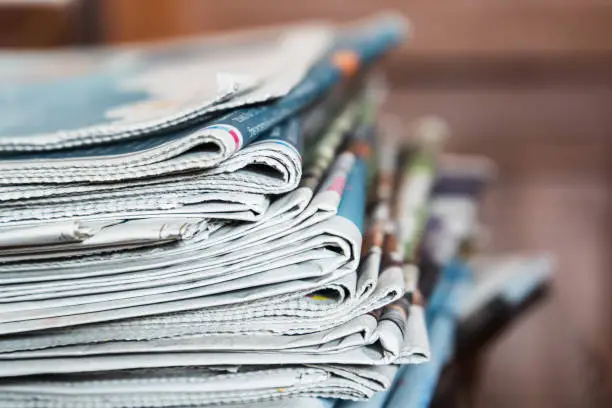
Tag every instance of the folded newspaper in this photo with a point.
(214, 222)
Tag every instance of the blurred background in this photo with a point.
(525, 82)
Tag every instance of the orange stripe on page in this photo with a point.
(346, 61)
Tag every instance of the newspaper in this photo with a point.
(273, 164)
(510, 277)
(216, 140)
(143, 90)
(277, 316)
(199, 387)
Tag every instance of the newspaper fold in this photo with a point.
(147, 90)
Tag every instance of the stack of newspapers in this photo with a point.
(219, 221)
(183, 224)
